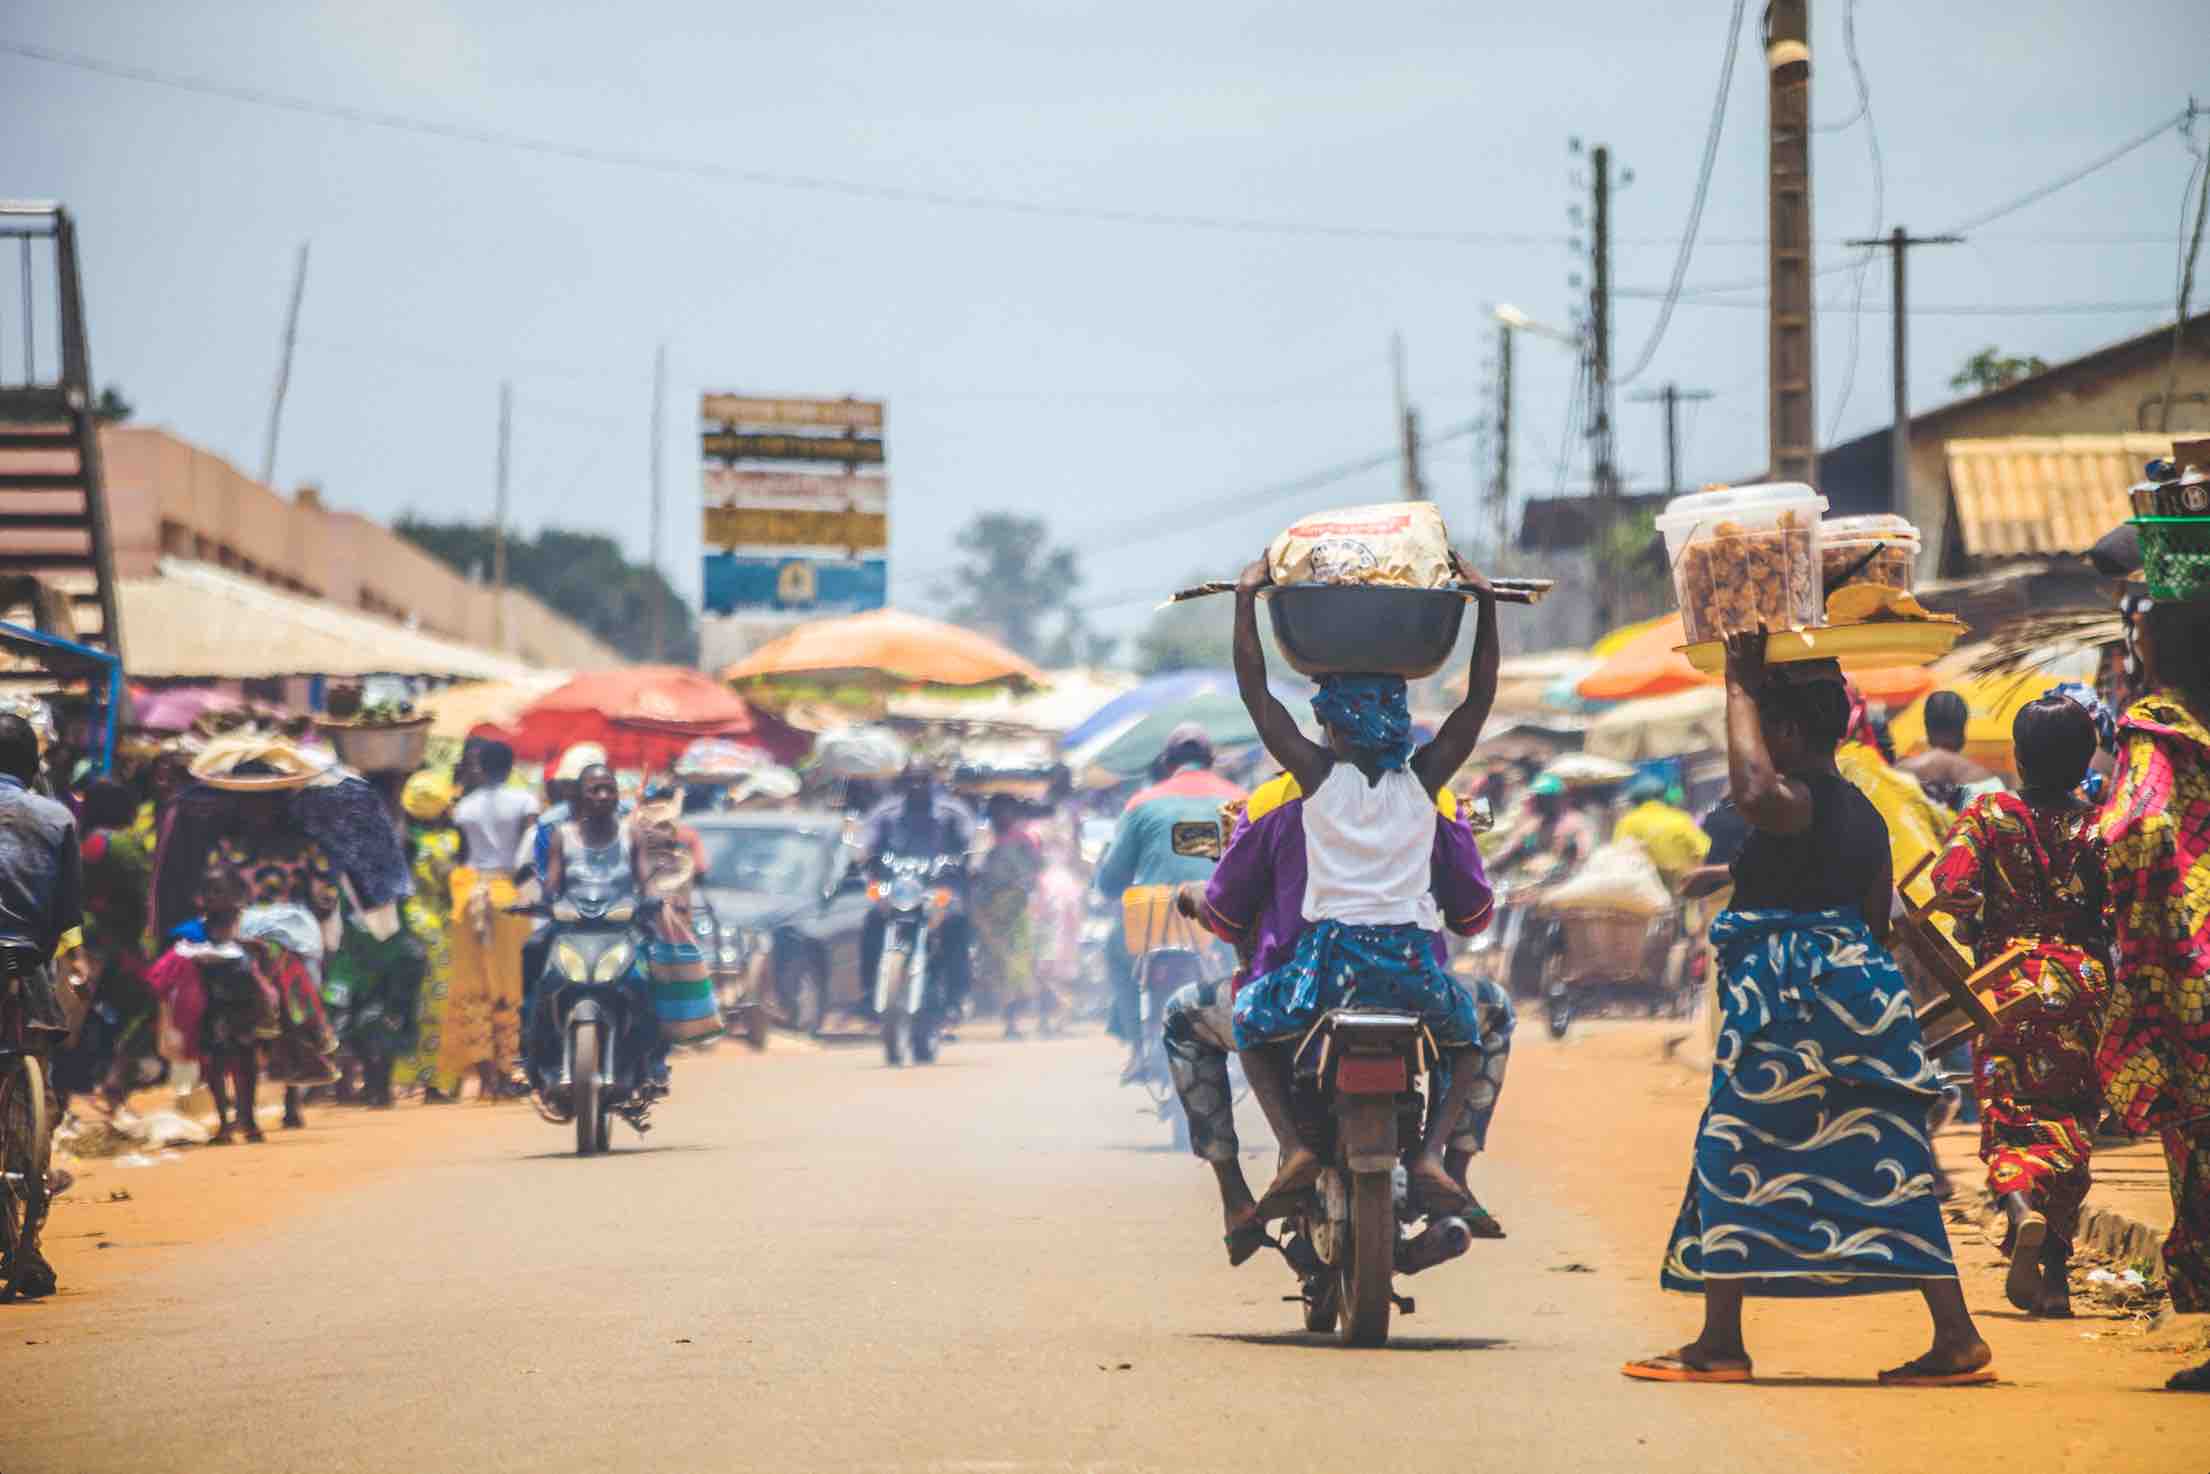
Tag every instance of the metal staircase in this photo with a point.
(56, 559)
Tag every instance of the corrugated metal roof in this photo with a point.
(2025, 494)
(195, 620)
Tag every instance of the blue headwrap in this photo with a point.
(1371, 712)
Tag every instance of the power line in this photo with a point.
(1703, 192)
(2045, 309)
(1879, 210)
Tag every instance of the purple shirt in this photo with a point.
(1256, 896)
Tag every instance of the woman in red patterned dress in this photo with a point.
(2029, 867)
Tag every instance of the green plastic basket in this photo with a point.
(2175, 555)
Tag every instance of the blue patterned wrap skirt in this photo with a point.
(1813, 1172)
(1337, 965)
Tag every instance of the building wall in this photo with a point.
(167, 496)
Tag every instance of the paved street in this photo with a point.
(815, 1263)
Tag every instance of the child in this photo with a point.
(1369, 908)
(220, 1006)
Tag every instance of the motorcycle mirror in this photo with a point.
(1199, 839)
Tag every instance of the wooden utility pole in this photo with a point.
(1602, 453)
(1898, 243)
(1501, 496)
(1673, 396)
(498, 521)
(1408, 423)
(659, 404)
(283, 366)
(1793, 445)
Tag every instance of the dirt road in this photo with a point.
(819, 1264)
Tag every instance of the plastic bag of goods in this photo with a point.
(1395, 545)
(1745, 557)
(860, 752)
(1618, 878)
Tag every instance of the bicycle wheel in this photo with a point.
(23, 1148)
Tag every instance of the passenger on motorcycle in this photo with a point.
(1371, 918)
(1255, 901)
(920, 822)
(594, 848)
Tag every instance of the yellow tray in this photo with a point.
(1880, 642)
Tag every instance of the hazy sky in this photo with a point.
(1106, 375)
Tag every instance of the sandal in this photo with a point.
(1671, 1367)
(1244, 1242)
(1916, 1373)
(2023, 1285)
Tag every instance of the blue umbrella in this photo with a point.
(1171, 688)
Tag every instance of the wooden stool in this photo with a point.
(1968, 1006)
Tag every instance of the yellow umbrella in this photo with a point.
(885, 646)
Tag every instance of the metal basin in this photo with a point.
(1356, 629)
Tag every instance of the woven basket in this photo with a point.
(2175, 555)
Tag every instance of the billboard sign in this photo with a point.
(785, 540)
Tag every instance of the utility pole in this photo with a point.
(1673, 396)
(1408, 424)
(1898, 243)
(1599, 383)
(1792, 438)
(498, 521)
(283, 367)
(1502, 495)
(659, 400)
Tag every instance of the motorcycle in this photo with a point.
(916, 898)
(1360, 1082)
(740, 974)
(590, 1001)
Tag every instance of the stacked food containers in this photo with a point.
(1879, 549)
(1746, 557)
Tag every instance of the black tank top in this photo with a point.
(1832, 863)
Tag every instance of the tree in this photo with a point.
(1012, 585)
(111, 407)
(582, 575)
(1990, 369)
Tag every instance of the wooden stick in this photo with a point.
(1508, 590)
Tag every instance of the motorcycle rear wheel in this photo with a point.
(590, 1115)
(1368, 1270)
(24, 1142)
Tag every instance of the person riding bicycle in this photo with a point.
(919, 822)
(1369, 822)
(41, 904)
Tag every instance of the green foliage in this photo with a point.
(1990, 369)
(1014, 586)
(582, 575)
(112, 407)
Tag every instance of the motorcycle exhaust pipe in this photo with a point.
(1441, 1241)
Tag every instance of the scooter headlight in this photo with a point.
(906, 892)
(622, 911)
(614, 962)
(569, 961)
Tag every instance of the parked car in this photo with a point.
(787, 895)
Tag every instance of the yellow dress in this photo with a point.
(483, 1003)
(429, 916)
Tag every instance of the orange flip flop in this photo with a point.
(1670, 1368)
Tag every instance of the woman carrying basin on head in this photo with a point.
(1812, 1174)
(1369, 827)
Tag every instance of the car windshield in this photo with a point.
(784, 862)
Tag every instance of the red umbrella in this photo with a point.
(644, 716)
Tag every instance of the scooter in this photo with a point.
(591, 1001)
(916, 897)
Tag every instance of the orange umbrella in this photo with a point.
(1894, 686)
(886, 644)
(1643, 664)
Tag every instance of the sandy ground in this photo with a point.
(994, 1265)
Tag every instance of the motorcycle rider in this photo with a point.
(918, 822)
(1369, 827)
(1254, 901)
(593, 846)
(1142, 853)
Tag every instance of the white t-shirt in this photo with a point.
(1370, 850)
(492, 822)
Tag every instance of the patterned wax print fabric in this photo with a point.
(2187, 1246)
(429, 915)
(374, 988)
(1372, 712)
(1005, 935)
(287, 943)
(349, 822)
(215, 999)
(297, 873)
(1812, 1174)
(1338, 965)
(2156, 1031)
(2011, 875)
(484, 1004)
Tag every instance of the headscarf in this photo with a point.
(2106, 723)
(1372, 713)
(427, 796)
(1860, 718)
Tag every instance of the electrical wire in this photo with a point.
(1696, 206)
(1879, 208)
(1989, 309)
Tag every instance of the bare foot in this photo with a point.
(1433, 1186)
